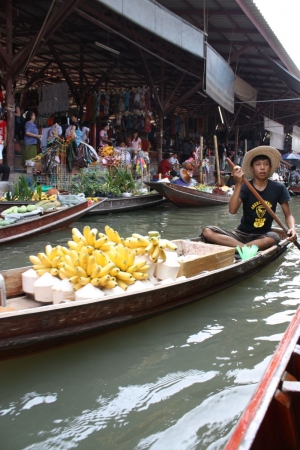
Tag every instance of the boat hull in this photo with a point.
(48, 326)
(50, 221)
(111, 205)
(187, 197)
(295, 190)
(272, 418)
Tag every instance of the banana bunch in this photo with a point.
(126, 269)
(35, 197)
(84, 268)
(89, 238)
(103, 260)
(151, 245)
(52, 197)
(107, 151)
(48, 261)
(93, 199)
(37, 157)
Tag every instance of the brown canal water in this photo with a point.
(178, 381)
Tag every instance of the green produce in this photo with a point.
(31, 208)
(14, 209)
(22, 209)
(7, 211)
(4, 223)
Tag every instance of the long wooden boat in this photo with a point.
(9, 204)
(35, 326)
(271, 420)
(120, 204)
(49, 221)
(186, 197)
(295, 190)
(157, 186)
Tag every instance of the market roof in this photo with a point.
(58, 39)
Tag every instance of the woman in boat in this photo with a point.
(256, 223)
(164, 167)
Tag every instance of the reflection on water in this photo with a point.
(177, 381)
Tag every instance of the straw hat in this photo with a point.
(184, 175)
(271, 152)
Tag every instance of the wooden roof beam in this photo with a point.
(237, 54)
(66, 8)
(184, 97)
(64, 71)
(37, 76)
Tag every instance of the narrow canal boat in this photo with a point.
(271, 420)
(120, 204)
(41, 224)
(33, 326)
(183, 196)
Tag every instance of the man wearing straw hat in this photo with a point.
(255, 228)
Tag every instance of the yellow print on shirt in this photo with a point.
(260, 210)
(259, 223)
(259, 204)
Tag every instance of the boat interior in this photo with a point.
(12, 297)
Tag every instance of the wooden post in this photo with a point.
(81, 66)
(160, 135)
(10, 104)
(93, 136)
(236, 144)
(200, 161)
(246, 146)
(217, 160)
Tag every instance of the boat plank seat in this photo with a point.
(23, 302)
(294, 364)
(286, 421)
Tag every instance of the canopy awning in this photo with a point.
(292, 82)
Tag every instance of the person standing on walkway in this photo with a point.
(3, 136)
(31, 138)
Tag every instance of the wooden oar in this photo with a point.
(261, 200)
(200, 160)
(217, 160)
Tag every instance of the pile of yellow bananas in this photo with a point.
(37, 157)
(104, 260)
(35, 197)
(107, 151)
(151, 245)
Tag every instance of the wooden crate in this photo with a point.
(197, 257)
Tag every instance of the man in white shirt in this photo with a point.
(173, 159)
(56, 129)
(85, 132)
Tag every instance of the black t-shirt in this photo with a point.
(255, 218)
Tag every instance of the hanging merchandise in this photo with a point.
(53, 98)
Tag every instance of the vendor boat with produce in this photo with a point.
(29, 212)
(184, 191)
(100, 281)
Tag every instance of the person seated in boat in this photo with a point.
(184, 179)
(256, 223)
(230, 182)
(124, 155)
(164, 167)
(294, 176)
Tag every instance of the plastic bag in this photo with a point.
(71, 200)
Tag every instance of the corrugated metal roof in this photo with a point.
(262, 26)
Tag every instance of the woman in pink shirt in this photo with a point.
(136, 141)
(103, 136)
